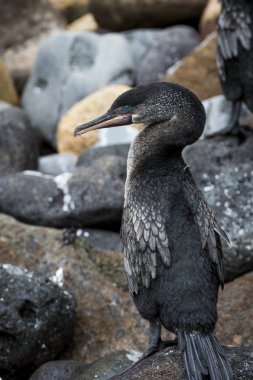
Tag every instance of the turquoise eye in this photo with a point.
(127, 108)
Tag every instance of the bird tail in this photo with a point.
(203, 356)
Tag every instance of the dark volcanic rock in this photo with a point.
(70, 66)
(92, 196)
(172, 45)
(58, 370)
(37, 321)
(107, 319)
(107, 366)
(167, 365)
(223, 170)
(88, 157)
(19, 145)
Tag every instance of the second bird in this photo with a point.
(172, 248)
(235, 57)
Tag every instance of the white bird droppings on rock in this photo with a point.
(133, 355)
(62, 184)
(58, 277)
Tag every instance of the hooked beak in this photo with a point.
(109, 119)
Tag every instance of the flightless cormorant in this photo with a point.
(235, 57)
(172, 246)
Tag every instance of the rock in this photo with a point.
(87, 157)
(86, 110)
(34, 311)
(27, 22)
(19, 145)
(168, 365)
(236, 296)
(218, 112)
(7, 90)
(20, 60)
(70, 66)
(198, 70)
(26, 19)
(92, 196)
(223, 170)
(106, 240)
(84, 23)
(107, 320)
(71, 9)
(58, 370)
(209, 16)
(129, 14)
(111, 364)
(55, 164)
(141, 41)
(173, 44)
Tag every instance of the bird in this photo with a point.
(171, 239)
(235, 58)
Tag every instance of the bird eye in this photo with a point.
(127, 108)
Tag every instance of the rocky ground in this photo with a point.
(65, 310)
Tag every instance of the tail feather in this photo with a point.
(203, 355)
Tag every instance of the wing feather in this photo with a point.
(144, 237)
(210, 231)
(233, 28)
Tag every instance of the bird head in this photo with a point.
(168, 112)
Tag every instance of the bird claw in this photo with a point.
(151, 350)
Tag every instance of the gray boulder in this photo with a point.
(71, 65)
(19, 144)
(37, 321)
(172, 45)
(91, 196)
(141, 40)
(109, 365)
(55, 164)
(58, 370)
(92, 154)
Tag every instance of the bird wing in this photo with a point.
(210, 231)
(233, 27)
(143, 235)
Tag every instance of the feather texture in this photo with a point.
(233, 28)
(209, 229)
(203, 355)
(144, 238)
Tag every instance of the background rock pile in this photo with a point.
(63, 62)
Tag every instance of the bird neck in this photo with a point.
(159, 158)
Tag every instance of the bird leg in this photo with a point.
(155, 343)
(232, 127)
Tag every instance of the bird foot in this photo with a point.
(152, 349)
